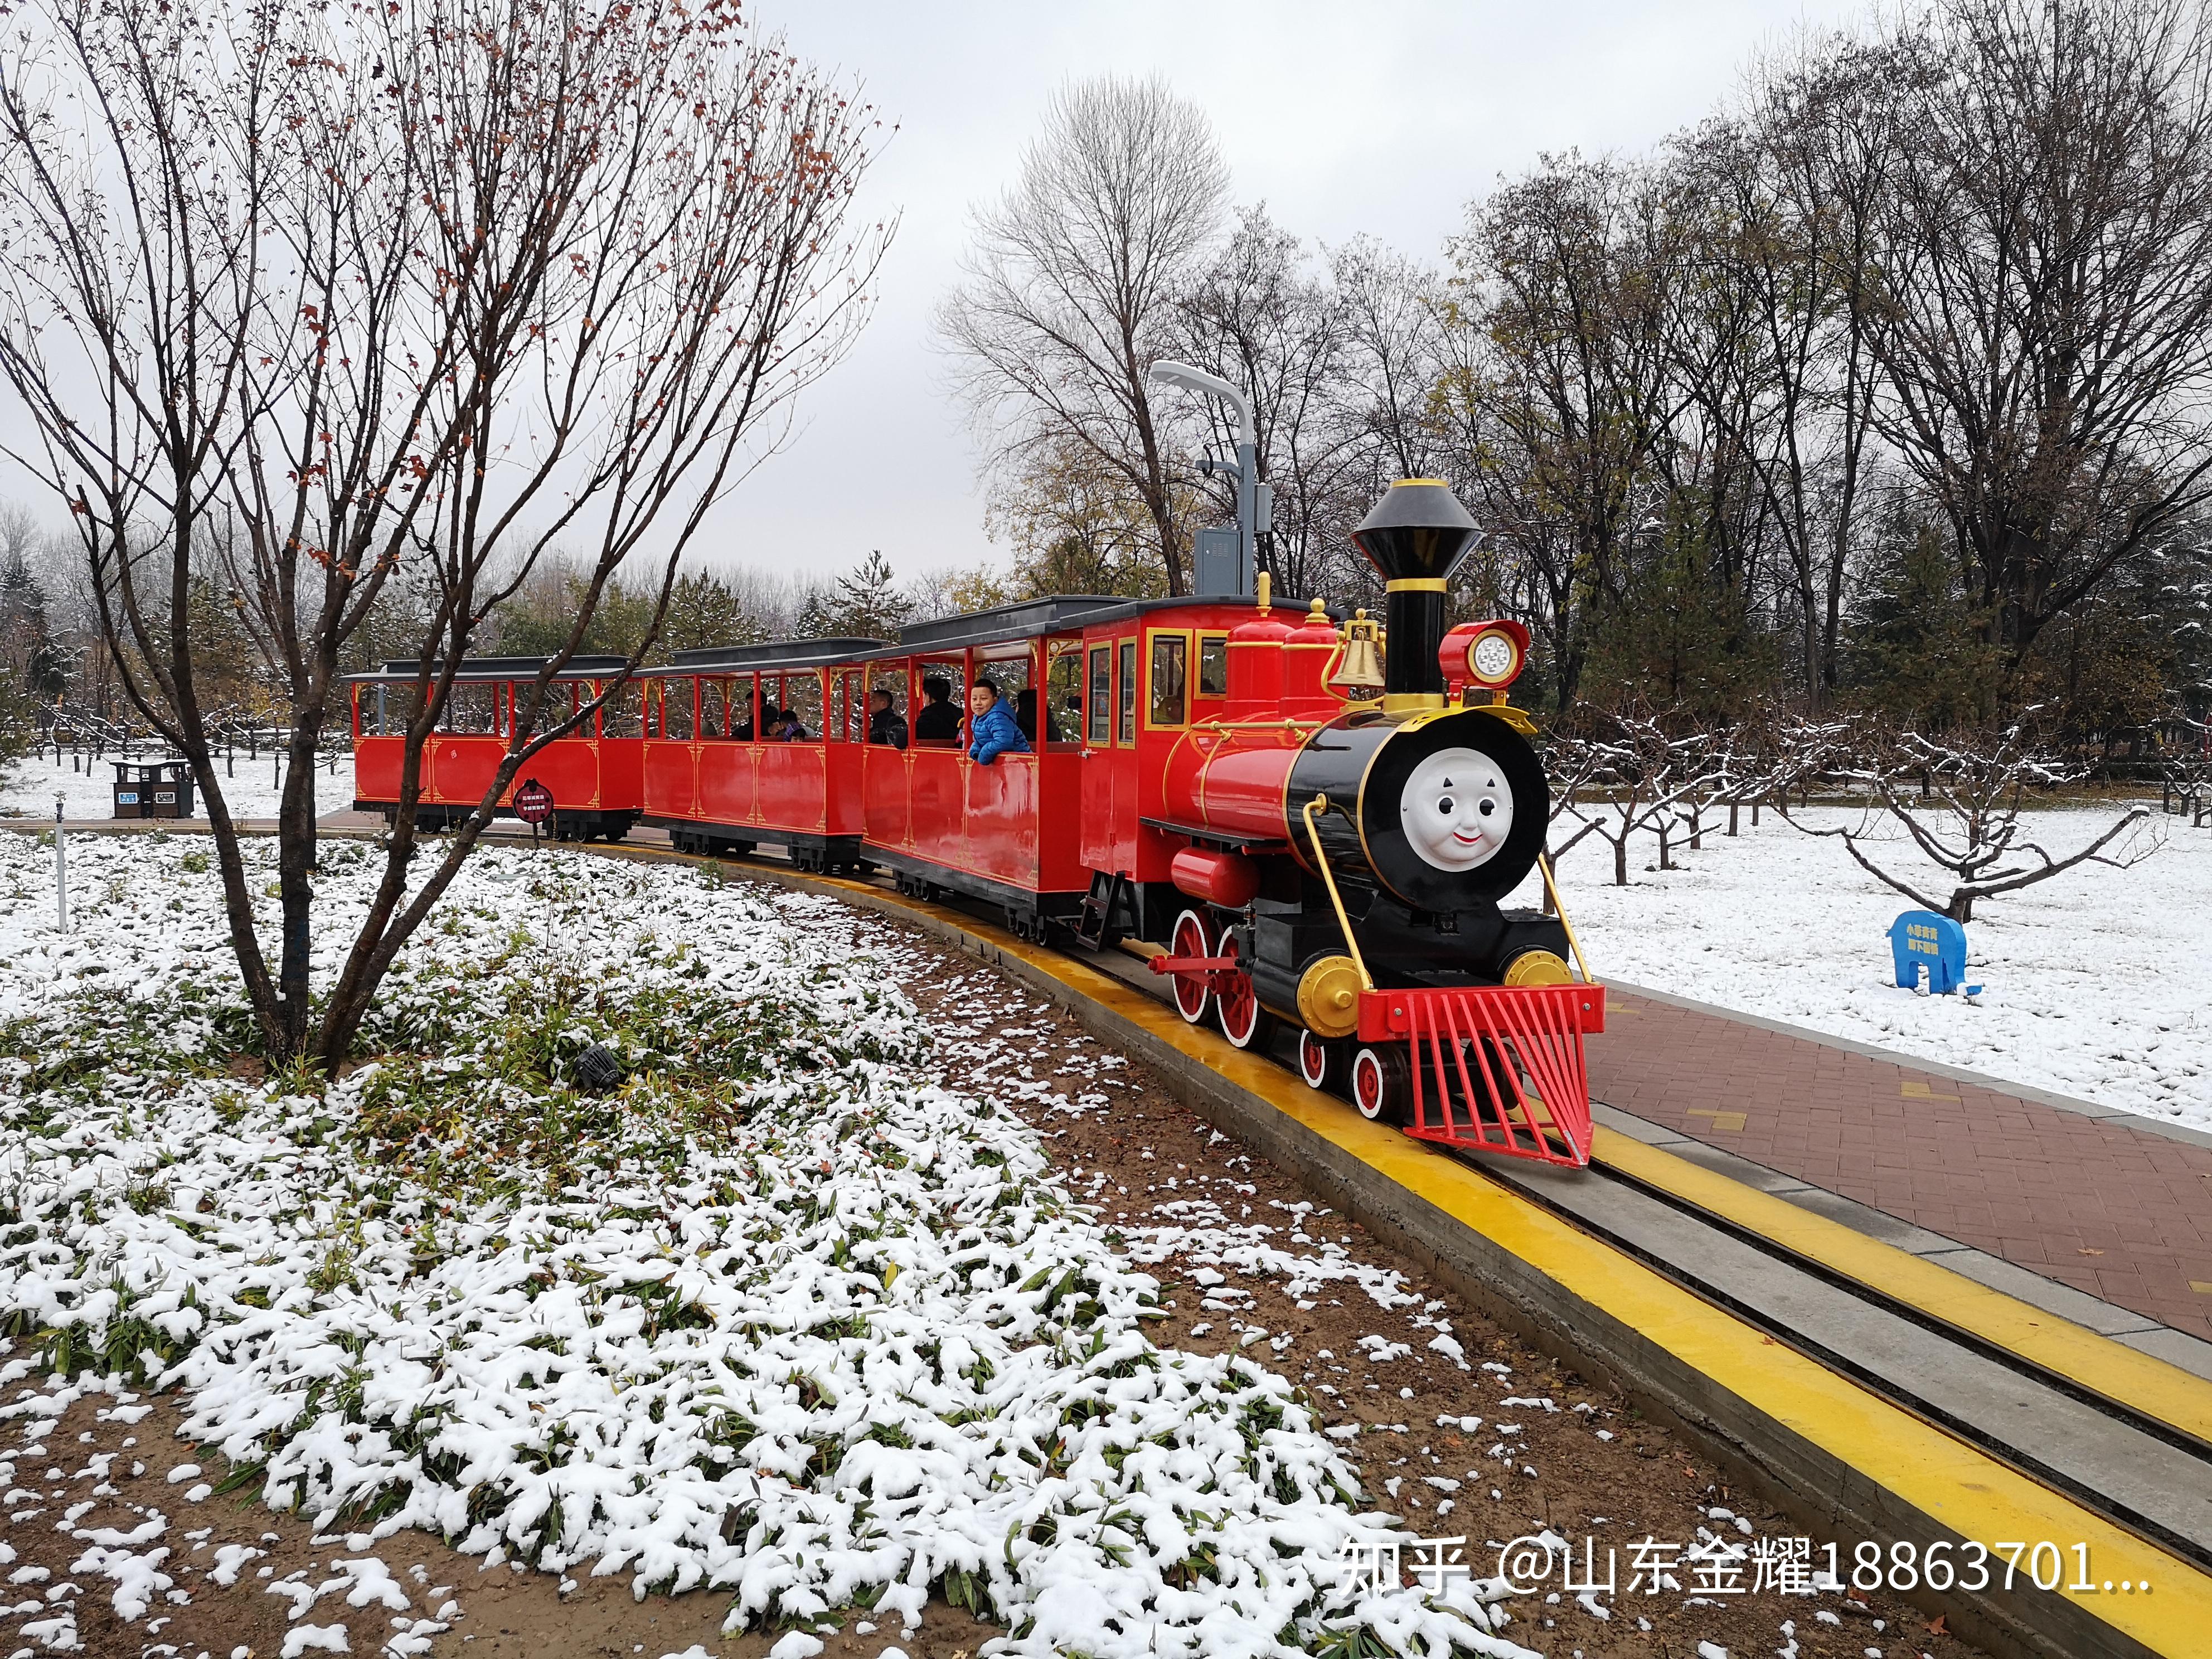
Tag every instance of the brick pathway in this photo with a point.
(2120, 1212)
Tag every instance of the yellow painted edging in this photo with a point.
(2140, 1380)
(1958, 1486)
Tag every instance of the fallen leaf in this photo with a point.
(1937, 1627)
(2086, 1250)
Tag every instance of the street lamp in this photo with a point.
(1253, 497)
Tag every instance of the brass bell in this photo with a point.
(1361, 669)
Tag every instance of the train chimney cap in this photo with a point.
(1418, 531)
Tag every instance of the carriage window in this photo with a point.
(741, 709)
(619, 717)
(1170, 652)
(675, 700)
(1101, 693)
(1213, 664)
(802, 695)
(856, 707)
(1063, 691)
(471, 705)
(1126, 722)
(559, 703)
(938, 719)
(383, 710)
(714, 709)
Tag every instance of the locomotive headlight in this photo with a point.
(1494, 658)
(1456, 809)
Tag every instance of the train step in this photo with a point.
(1108, 912)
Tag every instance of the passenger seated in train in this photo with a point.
(993, 723)
(1025, 716)
(886, 723)
(786, 728)
(939, 720)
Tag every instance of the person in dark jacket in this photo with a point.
(886, 723)
(939, 720)
(991, 726)
(1025, 716)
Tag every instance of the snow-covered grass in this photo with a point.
(2099, 981)
(28, 786)
(778, 1314)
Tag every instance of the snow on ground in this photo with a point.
(2096, 980)
(28, 786)
(778, 1314)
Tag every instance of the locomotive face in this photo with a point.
(1457, 809)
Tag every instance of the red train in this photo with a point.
(1211, 773)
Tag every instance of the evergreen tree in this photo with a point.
(864, 604)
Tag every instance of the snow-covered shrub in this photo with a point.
(775, 1313)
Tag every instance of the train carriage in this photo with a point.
(592, 773)
(1028, 832)
(723, 774)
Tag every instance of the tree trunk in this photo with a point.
(1621, 860)
(1735, 807)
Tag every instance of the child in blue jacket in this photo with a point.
(991, 726)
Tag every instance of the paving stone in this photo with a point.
(1933, 1155)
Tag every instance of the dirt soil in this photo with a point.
(1452, 1423)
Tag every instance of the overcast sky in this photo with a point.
(1384, 116)
(1380, 118)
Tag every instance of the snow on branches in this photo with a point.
(1957, 801)
(1628, 774)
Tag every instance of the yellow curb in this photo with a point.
(2117, 1373)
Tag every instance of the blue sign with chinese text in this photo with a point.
(1921, 938)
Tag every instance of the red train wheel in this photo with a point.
(1244, 1021)
(1321, 1062)
(1380, 1084)
(1190, 938)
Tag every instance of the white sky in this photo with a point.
(1380, 118)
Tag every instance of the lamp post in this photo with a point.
(1254, 499)
(61, 869)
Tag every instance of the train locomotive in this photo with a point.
(1310, 828)
(1349, 871)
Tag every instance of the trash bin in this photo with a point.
(153, 789)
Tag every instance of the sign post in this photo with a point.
(61, 868)
(533, 804)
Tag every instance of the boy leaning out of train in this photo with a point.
(992, 729)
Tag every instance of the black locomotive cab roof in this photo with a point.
(776, 653)
(499, 668)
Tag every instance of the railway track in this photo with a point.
(2121, 1458)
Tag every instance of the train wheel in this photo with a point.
(1191, 939)
(1244, 1021)
(1381, 1085)
(1321, 1062)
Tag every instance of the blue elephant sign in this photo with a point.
(1922, 938)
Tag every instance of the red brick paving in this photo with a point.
(2121, 1212)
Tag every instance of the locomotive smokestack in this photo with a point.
(1416, 536)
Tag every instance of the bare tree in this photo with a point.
(1393, 353)
(2040, 291)
(1072, 281)
(1267, 322)
(1634, 777)
(1958, 802)
(1557, 392)
(345, 298)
